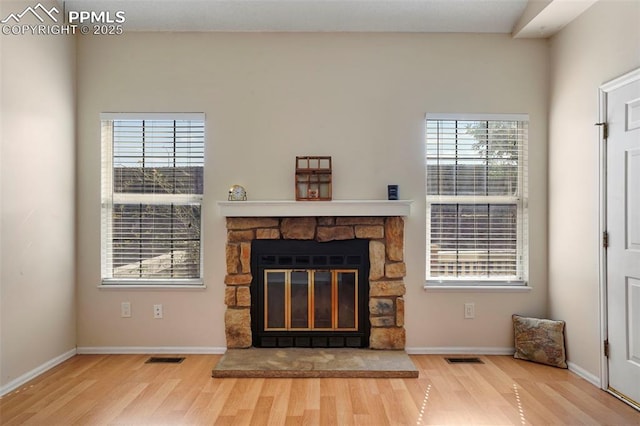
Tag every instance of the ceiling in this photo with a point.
(523, 18)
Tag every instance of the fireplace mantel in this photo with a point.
(284, 208)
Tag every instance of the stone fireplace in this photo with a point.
(385, 281)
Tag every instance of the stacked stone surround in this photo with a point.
(386, 272)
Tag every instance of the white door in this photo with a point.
(623, 227)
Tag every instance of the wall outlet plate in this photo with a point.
(157, 311)
(125, 310)
(469, 310)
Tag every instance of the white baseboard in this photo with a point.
(30, 375)
(457, 350)
(594, 380)
(120, 350)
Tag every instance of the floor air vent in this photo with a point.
(465, 360)
(164, 360)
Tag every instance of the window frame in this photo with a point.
(520, 280)
(109, 198)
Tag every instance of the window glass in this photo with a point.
(476, 200)
(152, 187)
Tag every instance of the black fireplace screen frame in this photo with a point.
(302, 254)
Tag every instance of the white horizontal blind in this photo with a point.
(152, 190)
(476, 190)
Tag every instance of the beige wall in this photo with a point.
(360, 98)
(600, 45)
(37, 269)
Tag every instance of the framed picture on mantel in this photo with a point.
(313, 178)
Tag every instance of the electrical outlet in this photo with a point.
(469, 310)
(157, 311)
(125, 309)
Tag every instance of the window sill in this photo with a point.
(478, 288)
(196, 284)
(151, 287)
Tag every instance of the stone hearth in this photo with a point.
(386, 274)
(308, 362)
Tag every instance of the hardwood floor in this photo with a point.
(123, 390)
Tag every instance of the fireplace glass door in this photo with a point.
(310, 294)
(310, 300)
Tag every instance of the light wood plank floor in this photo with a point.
(123, 390)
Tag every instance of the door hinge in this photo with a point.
(606, 348)
(605, 239)
(605, 129)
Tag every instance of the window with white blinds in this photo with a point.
(152, 188)
(476, 185)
